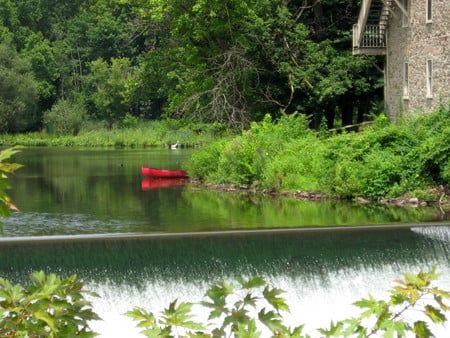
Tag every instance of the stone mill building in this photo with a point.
(414, 38)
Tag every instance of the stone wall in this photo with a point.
(416, 43)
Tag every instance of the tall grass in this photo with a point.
(143, 134)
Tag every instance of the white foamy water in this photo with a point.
(313, 302)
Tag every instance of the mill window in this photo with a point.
(429, 11)
(429, 78)
(405, 20)
(405, 79)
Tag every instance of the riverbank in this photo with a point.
(161, 133)
(407, 163)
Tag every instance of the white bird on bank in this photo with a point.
(174, 146)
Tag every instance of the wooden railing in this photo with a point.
(362, 20)
(370, 39)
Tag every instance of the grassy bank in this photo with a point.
(143, 134)
(385, 160)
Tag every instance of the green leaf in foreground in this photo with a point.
(272, 296)
(180, 315)
(48, 307)
(390, 318)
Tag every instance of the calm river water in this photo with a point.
(90, 212)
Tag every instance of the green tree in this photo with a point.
(214, 61)
(211, 74)
(107, 89)
(41, 54)
(9, 19)
(233, 62)
(18, 92)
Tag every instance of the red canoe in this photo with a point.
(163, 173)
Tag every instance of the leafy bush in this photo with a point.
(296, 166)
(203, 164)
(413, 294)
(65, 118)
(373, 163)
(130, 121)
(373, 176)
(48, 307)
(242, 160)
(384, 160)
(237, 161)
(234, 317)
(434, 150)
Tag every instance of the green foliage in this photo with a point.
(18, 99)
(125, 134)
(383, 160)
(434, 150)
(372, 163)
(210, 61)
(54, 307)
(130, 121)
(6, 169)
(244, 310)
(232, 308)
(242, 160)
(48, 307)
(41, 55)
(205, 163)
(65, 118)
(108, 84)
(391, 160)
(391, 318)
(237, 161)
(296, 166)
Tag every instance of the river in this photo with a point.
(87, 211)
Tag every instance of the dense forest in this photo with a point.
(63, 63)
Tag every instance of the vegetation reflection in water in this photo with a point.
(255, 211)
(188, 209)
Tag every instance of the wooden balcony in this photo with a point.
(369, 33)
(369, 42)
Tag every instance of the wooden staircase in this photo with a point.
(369, 34)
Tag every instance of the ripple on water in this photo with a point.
(47, 224)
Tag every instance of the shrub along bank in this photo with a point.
(385, 160)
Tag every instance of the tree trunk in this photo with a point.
(347, 113)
